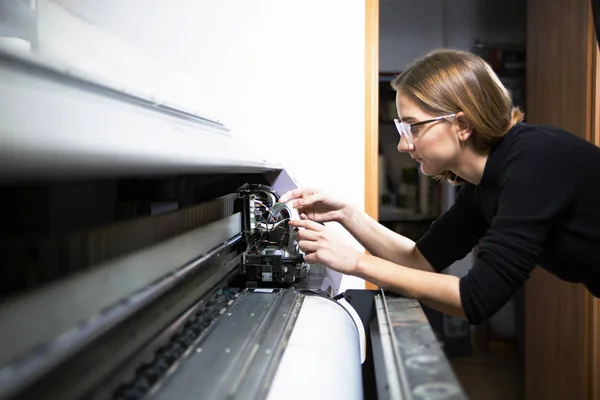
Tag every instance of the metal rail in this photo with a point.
(413, 365)
(63, 383)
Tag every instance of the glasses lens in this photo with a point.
(404, 131)
(398, 125)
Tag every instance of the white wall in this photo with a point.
(288, 78)
(411, 28)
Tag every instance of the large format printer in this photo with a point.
(144, 254)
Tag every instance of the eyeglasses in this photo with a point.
(407, 130)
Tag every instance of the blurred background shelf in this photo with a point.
(394, 214)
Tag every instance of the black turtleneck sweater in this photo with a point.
(538, 203)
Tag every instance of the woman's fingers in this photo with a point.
(303, 210)
(296, 194)
(310, 200)
(308, 246)
(311, 258)
(306, 234)
(304, 202)
(306, 224)
(292, 194)
(293, 203)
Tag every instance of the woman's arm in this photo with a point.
(323, 246)
(438, 291)
(378, 240)
(382, 242)
(458, 230)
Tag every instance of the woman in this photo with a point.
(530, 195)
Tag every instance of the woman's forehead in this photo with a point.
(407, 109)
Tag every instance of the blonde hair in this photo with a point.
(449, 81)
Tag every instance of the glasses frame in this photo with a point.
(405, 129)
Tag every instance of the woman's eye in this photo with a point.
(415, 130)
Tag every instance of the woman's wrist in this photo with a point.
(359, 269)
(346, 215)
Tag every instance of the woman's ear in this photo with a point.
(464, 127)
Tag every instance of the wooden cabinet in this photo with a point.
(562, 320)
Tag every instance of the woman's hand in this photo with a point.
(314, 205)
(324, 246)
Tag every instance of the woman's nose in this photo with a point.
(404, 145)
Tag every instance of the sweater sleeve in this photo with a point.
(532, 197)
(454, 234)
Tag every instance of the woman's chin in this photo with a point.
(428, 171)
